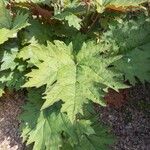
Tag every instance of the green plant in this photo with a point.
(67, 54)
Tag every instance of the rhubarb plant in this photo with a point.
(66, 55)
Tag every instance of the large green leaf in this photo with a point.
(9, 26)
(100, 140)
(11, 70)
(36, 32)
(126, 35)
(136, 64)
(130, 38)
(41, 128)
(5, 17)
(8, 60)
(50, 129)
(71, 78)
(72, 19)
(6, 34)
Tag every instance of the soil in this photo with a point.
(130, 121)
(128, 113)
(10, 108)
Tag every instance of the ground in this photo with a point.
(10, 108)
(129, 119)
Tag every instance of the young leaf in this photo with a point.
(8, 60)
(72, 19)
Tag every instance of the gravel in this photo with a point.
(130, 122)
(10, 108)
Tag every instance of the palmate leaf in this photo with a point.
(9, 26)
(36, 32)
(47, 132)
(43, 128)
(12, 80)
(50, 129)
(11, 70)
(102, 138)
(5, 18)
(8, 60)
(6, 34)
(130, 38)
(72, 19)
(127, 35)
(136, 64)
(73, 79)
